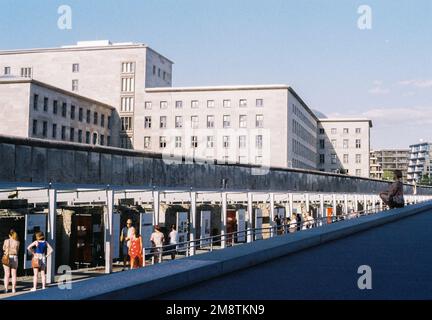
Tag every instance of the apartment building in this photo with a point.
(115, 74)
(344, 146)
(263, 125)
(29, 108)
(384, 162)
(420, 162)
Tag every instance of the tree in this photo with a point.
(388, 175)
(426, 180)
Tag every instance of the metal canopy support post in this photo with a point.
(365, 203)
(307, 202)
(322, 209)
(108, 222)
(52, 214)
(223, 220)
(156, 206)
(345, 204)
(334, 205)
(272, 214)
(290, 204)
(356, 203)
(192, 234)
(249, 218)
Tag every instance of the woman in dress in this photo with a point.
(136, 250)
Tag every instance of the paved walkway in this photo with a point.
(399, 253)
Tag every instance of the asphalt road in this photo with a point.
(399, 254)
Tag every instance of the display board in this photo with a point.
(33, 224)
(116, 235)
(182, 229)
(146, 229)
(241, 225)
(258, 224)
(205, 228)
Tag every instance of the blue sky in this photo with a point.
(314, 45)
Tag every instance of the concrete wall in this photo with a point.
(32, 160)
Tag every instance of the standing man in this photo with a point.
(173, 240)
(157, 239)
(125, 238)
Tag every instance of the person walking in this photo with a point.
(125, 237)
(40, 249)
(293, 223)
(173, 240)
(10, 260)
(157, 239)
(394, 197)
(136, 250)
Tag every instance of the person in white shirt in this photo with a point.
(173, 240)
(157, 239)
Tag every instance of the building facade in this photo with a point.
(29, 108)
(344, 146)
(420, 162)
(384, 162)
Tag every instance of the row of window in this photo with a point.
(301, 132)
(345, 143)
(209, 141)
(358, 172)
(161, 74)
(303, 151)
(74, 134)
(25, 72)
(345, 160)
(300, 164)
(194, 104)
(303, 117)
(73, 111)
(344, 130)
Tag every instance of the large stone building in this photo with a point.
(420, 162)
(29, 108)
(344, 146)
(384, 162)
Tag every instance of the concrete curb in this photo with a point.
(158, 279)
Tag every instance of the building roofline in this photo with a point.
(309, 110)
(346, 120)
(48, 86)
(380, 150)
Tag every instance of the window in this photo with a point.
(259, 103)
(44, 129)
(179, 104)
(258, 160)
(163, 122)
(163, 104)
(148, 105)
(159, 72)
(95, 118)
(194, 142)
(243, 103)
(178, 142)
(75, 68)
(210, 104)
(154, 70)
(109, 122)
(72, 134)
(227, 103)
(7, 71)
(102, 140)
(88, 116)
(259, 121)
(259, 141)
(242, 142)
(80, 114)
(345, 158)
(358, 144)
(72, 114)
(321, 131)
(55, 106)
(358, 172)
(126, 123)
(63, 133)
(358, 130)
(210, 142)
(88, 137)
(345, 130)
(322, 143)
(179, 122)
(333, 130)
(64, 109)
(102, 120)
(75, 85)
(226, 141)
(334, 144)
(194, 122)
(164, 75)
(54, 131)
(322, 158)
(94, 138)
(226, 121)
(147, 122)
(26, 72)
(358, 158)
(345, 144)
(45, 106)
(243, 121)
(80, 136)
(333, 158)
(162, 142)
(194, 104)
(128, 67)
(147, 142)
(210, 122)
(108, 140)
(128, 85)
(127, 104)
(35, 101)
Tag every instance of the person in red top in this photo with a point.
(136, 250)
